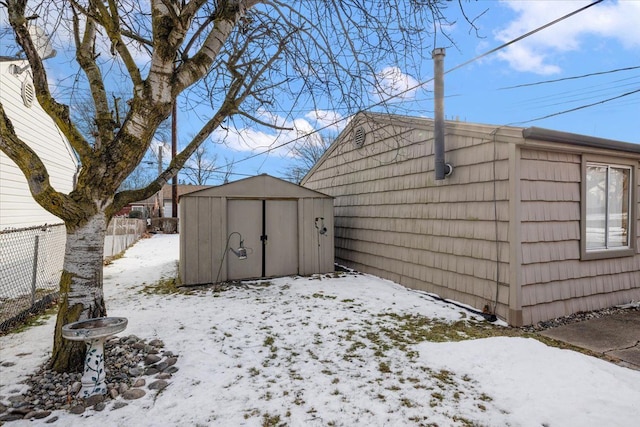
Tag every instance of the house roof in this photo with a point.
(182, 189)
(516, 134)
(260, 186)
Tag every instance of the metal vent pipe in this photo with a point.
(441, 168)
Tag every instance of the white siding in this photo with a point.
(37, 129)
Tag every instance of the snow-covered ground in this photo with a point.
(330, 351)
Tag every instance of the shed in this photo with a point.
(532, 224)
(285, 229)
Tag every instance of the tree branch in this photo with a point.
(34, 171)
(57, 111)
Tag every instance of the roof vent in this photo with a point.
(28, 93)
(359, 137)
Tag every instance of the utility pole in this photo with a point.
(174, 150)
(160, 194)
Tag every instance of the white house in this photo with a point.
(18, 209)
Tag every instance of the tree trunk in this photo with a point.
(81, 295)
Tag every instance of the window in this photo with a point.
(607, 210)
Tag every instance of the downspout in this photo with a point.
(442, 169)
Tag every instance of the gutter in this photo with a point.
(580, 140)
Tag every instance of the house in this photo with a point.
(531, 224)
(167, 205)
(18, 209)
(32, 240)
(253, 228)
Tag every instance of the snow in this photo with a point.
(318, 351)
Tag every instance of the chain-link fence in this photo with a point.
(31, 262)
(30, 270)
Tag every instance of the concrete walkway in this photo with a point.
(617, 337)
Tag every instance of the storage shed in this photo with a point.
(254, 228)
(531, 224)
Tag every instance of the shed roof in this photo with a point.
(261, 186)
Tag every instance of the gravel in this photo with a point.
(581, 316)
(134, 368)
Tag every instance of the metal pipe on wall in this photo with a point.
(438, 89)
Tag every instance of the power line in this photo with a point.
(421, 84)
(599, 73)
(577, 108)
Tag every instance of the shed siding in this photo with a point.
(204, 230)
(395, 221)
(555, 280)
(213, 215)
(17, 207)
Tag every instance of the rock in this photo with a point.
(172, 370)
(171, 361)
(16, 399)
(163, 376)
(3, 408)
(11, 417)
(152, 371)
(114, 393)
(134, 393)
(7, 364)
(52, 420)
(119, 405)
(140, 382)
(41, 414)
(22, 410)
(37, 415)
(92, 400)
(158, 385)
(136, 371)
(99, 406)
(132, 339)
(123, 387)
(161, 366)
(151, 359)
(156, 343)
(75, 387)
(77, 409)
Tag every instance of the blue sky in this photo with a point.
(601, 39)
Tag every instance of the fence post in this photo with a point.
(113, 234)
(34, 274)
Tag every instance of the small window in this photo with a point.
(607, 210)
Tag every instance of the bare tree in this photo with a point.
(305, 156)
(238, 56)
(228, 170)
(201, 167)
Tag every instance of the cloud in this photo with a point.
(328, 120)
(280, 142)
(617, 21)
(393, 83)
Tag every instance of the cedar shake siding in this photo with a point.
(502, 232)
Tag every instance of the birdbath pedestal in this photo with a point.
(94, 332)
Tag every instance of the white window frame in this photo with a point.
(608, 251)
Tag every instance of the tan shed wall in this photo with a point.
(555, 282)
(203, 227)
(395, 221)
(204, 230)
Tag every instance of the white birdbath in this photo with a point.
(94, 332)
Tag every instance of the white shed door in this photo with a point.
(245, 217)
(281, 257)
(269, 229)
